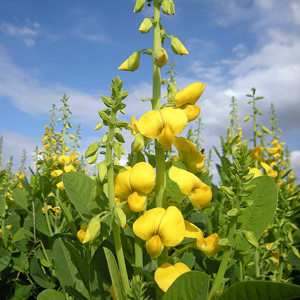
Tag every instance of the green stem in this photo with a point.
(182, 249)
(225, 259)
(256, 263)
(282, 247)
(64, 131)
(47, 218)
(161, 195)
(111, 195)
(241, 270)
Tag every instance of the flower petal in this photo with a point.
(122, 184)
(171, 229)
(190, 94)
(137, 201)
(154, 246)
(210, 245)
(150, 124)
(175, 118)
(166, 138)
(142, 177)
(192, 111)
(201, 197)
(166, 274)
(192, 231)
(187, 181)
(147, 224)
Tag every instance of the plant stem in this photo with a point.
(256, 263)
(224, 262)
(111, 195)
(161, 195)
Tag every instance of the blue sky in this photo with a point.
(48, 48)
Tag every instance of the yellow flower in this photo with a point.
(272, 173)
(190, 185)
(73, 156)
(163, 125)
(272, 151)
(48, 207)
(192, 158)
(67, 148)
(8, 227)
(166, 274)
(56, 209)
(56, 173)
(22, 176)
(134, 185)
(210, 245)
(254, 171)
(46, 145)
(190, 94)
(54, 141)
(256, 152)
(159, 228)
(60, 185)
(70, 168)
(192, 111)
(80, 235)
(64, 159)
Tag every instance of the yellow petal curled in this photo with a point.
(154, 246)
(190, 94)
(210, 245)
(167, 137)
(192, 231)
(166, 274)
(192, 111)
(142, 177)
(186, 181)
(137, 201)
(201, 197)
(272, 173)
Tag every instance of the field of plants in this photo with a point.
(157, 227)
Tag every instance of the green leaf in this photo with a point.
(21, 234)
(189, 286)
(261, 290)
(66, 269)
(20, 197)
(2, 206)
(36, 218)
(50, 294)
(92, 149)
(46, 185)
(79, 188)
(258, 216)
(100, 281)
(114, 274)
(233, 212)
(38, 276)
(4, 258)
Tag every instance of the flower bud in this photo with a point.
(210, 245)
(161, 57)
(139, 142)
(168, 7)
(139, 6)
(120, 216)
(93, 230)
(177, 46)
(132, 63)
(145, 26)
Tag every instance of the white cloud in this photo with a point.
(29, 42)
(11, 29)
(295, 160)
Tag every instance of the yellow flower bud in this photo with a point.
(56, 209)
(139, 142)
(60, 185)
(132, 63)
(210, 245)
(145, 26)
(161, 57)
(177, 46)
(139, 6)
